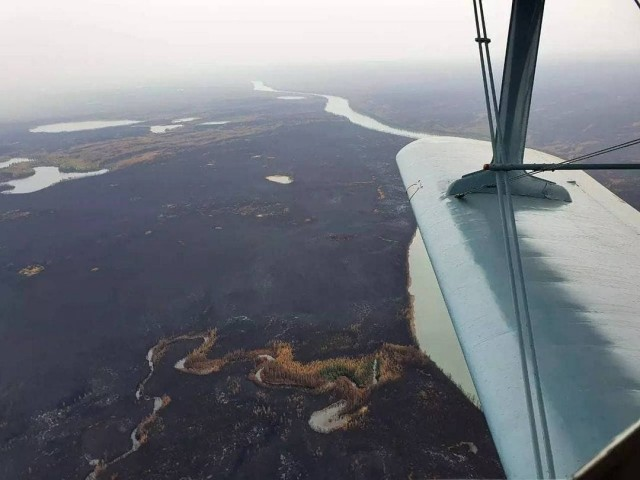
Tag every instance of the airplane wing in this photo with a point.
(581, 265)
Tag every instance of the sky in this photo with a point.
(82, 42)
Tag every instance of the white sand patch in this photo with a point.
(282, 179)
(262, 358)
(330, 418)
(472, 447)
(140, 389)
(157, 404)
(179, 365)
(221, 122)
(163, 128)
(135, 443)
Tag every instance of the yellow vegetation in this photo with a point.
(149, 421)
(197, 362)
(31, 270)
(358, 418)
(124, 152)
(350, 379)
(163, 344)
(16, 171)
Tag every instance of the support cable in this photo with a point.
(516, 307)
(603, 151)
(553, 166)
(492, 84)
(516, 246)
(512, 249)
(480, 40)
(546, 438)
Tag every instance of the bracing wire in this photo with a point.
(586, 156)
(492, 84)
(546, 438)
(495, 134)
(514, 260)
(516, 305)
(518, 264)
(480, 39)
(603, 151)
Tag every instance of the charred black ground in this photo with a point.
(199, 239)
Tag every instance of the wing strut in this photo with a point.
(507, 142)
(512, 116)
(518, 76)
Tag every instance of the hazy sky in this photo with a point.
(56, 41)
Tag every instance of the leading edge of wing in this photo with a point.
(581, 269)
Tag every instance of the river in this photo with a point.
(432, 324)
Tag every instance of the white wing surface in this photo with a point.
(582, 271)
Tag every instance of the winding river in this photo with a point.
(432, 324)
